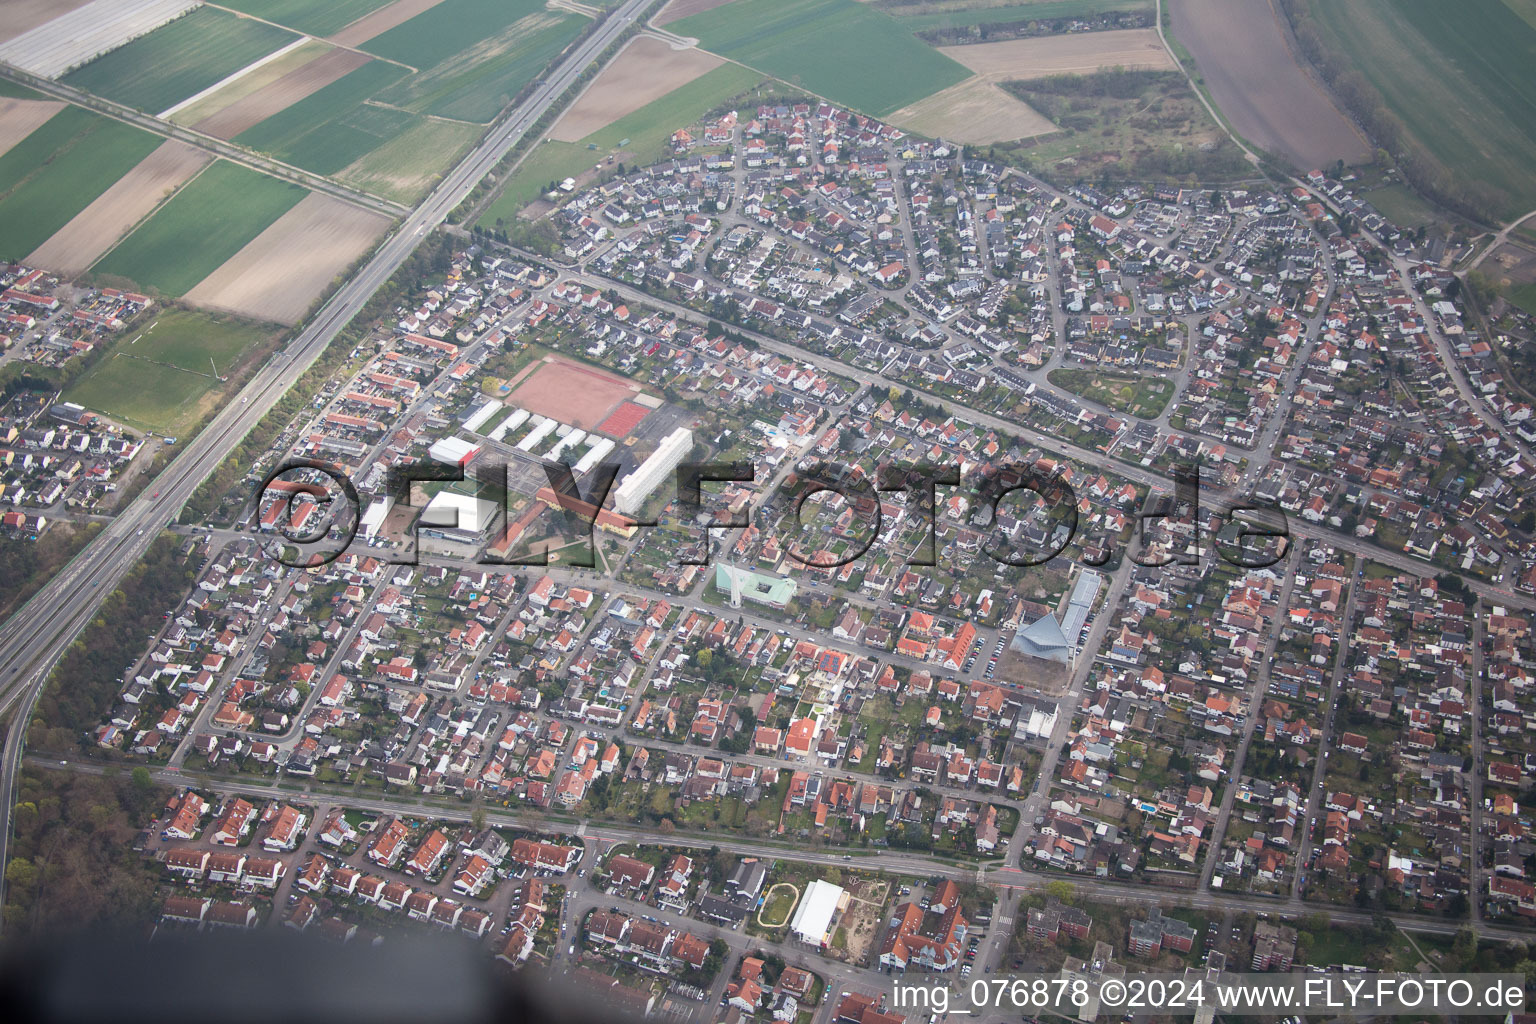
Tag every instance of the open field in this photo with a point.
(977, 110)
(841, 49)
(1077, 54)
(74, 175)
(476, 80)
(257, 79)
(572, 393)
(1457, 79)
(1402, 206)
(26, 155)
(1137, 396)
(407, 166)
(1255, 82)
(162, 378)
(279, 95)
(647, 129)
(25, 15)
(960, 13)
(280, 273)
(156, 71)
(333, 126)
(91, 232)
(316, 19)
(647, 70)
(381, 20)
(680, 9)
(203, 225)
(76, 33)
(1143, 125)
(20, 118)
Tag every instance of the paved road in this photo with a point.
(34, 638)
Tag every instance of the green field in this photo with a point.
(840, 49)
(950, 14)
(200, 227)
(1402, 206)
(647, 129)
(330, 128)
(1524, 297)
(449, 29)
(405, 167)
(316, 19)
(36, 149)
(1458, 76)
(477, 84)
(1138, 396)
(156, 71)
(156, 377)
(73, 176)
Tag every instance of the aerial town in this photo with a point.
(743, 550)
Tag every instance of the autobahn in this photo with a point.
(37, 635)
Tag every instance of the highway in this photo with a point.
(36, 636)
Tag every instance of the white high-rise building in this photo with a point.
(635, 488)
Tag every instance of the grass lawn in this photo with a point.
(840, 49)
(1402, 206)
(72, 178)
(160, 378)
(475, 84)
(171, 63)
(647, 130)
(1524, 297)
(1458, 76)
(306, 15)
(332, 127)
(941, 14)
(199, 228)
(1136, 396)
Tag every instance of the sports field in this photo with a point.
(572, 393)
(37, 203)
(841, 49)
(157, 378)
(316, 19)
(474, 55)
(203, 225)
(647, 129)
(183, 58)
(1458, 76)
(333, 126)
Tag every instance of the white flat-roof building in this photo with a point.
(812, 923)
(454, 450)
(642, 483)
(462, 518)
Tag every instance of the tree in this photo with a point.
(477, 819)
(142, 780)
(1464, 946)
(1061, 889)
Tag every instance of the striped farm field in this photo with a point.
(203, 225)
(181, 59)
(333, 126)
(35, 205)
(316, 19)
(31, 152)
(841, 49)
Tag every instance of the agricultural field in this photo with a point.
(381, 21)
(307, 16)
(38, 200)
(283, 270)
(21, 117)
(203, 225)
(647, 129)
(111, 215)
(25, 155)
(920, 17)
(1136, 49)
(333, 126)
(1458, 78)
(162, 377)
(843, 50)
(645, 71)
(977, 111)
(253, 81)
(156, 71)
(1252, 76)
(25, 15)
(1146, 125)
(474, 56)
(407, 166)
